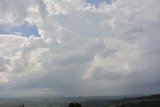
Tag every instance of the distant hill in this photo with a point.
(146, 101)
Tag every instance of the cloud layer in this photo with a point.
(112, 49)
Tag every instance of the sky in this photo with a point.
(25, 29)
(79, 47)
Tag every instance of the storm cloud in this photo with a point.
(83, 49)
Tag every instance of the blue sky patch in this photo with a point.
(97, 2)
(26, 29)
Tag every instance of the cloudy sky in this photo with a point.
(79, 47)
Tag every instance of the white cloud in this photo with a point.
(82, 47)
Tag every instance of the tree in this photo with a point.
(71, 105)
(22, 105)
(74, 105)
(78, 105)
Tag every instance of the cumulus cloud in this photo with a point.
(111, 49)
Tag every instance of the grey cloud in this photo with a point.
(109, 49)
(3, 64)
(100, 73)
